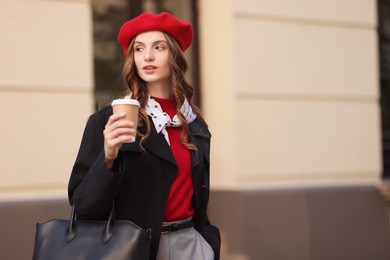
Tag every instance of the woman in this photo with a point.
(161, 180)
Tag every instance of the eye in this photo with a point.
(160, 47)
(138, 49)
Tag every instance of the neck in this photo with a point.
(160, 90)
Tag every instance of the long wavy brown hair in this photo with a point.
(180, 88)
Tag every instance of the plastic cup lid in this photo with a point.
(125, 101)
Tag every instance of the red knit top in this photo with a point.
(178, 205)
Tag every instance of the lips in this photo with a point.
(149, 68)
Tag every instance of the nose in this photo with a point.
(149, 56)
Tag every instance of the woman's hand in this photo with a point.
(118, 130)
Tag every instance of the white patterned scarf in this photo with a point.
(162, 120)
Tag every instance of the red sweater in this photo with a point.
(178, 205)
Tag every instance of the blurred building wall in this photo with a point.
(46, 86)
(290, 90)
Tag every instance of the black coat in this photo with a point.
(140, 181)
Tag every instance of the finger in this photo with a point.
(121, 131)
(114, 144)
(121, 122)
(116, 117)
(108, 136)
(120, 125)
(125, 124)
(126, 138)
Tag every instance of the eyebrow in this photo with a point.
(156, 42)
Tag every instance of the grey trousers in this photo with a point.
(185, 244)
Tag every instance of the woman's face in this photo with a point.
(151, 55)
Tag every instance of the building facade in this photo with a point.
(290, 90)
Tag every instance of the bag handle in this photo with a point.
(108, 231)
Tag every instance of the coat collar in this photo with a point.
(199, 131)
(157, 144)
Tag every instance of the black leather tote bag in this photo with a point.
(91, 240)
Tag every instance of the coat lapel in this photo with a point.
(157, 145)
(197, 132)
(195, 156)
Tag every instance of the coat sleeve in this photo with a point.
(212, 235)
(208, 231)
(92, 187)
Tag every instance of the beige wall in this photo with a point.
(291, 91)
(45, 93)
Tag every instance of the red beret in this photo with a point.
(165, 22)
